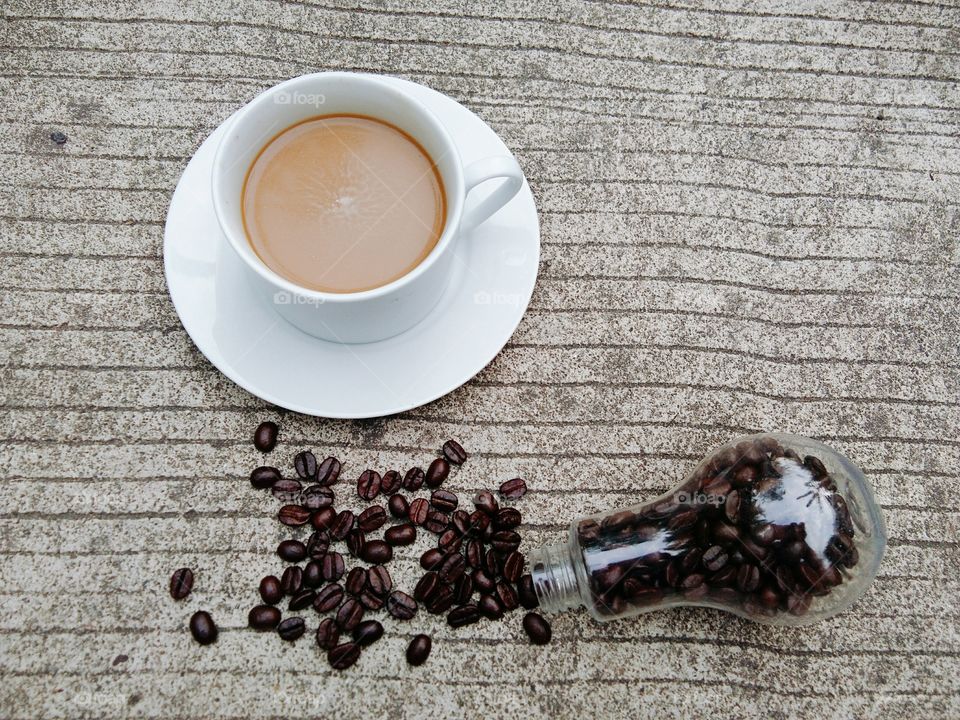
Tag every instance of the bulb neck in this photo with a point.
(554, 578)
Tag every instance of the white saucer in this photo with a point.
(248, 342)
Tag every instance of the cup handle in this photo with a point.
(479, 171)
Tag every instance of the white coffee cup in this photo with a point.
(389, 309)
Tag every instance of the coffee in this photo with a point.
(343, 203)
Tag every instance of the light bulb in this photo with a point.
(776, 528)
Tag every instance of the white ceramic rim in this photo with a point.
(455, 196)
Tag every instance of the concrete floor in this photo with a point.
(749, 217)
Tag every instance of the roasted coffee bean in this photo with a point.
(315, 497)
(287, 491)
(463, 590)
(291, 629)
(479, 523)
(537, 629)
(318, 544)
(419, 509)
(404, 534)
(263, 617)
(437, 472)
(356, 541)
(265, 436)
(418, 650)
(436, 522)
(328, 598)
(264, 477)
(454, 452)
(378, 552)
(460, 521)
(426, 587)
(368, 484)
(450, 541)
(305, 463)
(489, 607)
(692, 581)
(452, 567)
(270, 590)
(333, 566)
(372, 519)
(507, 596)
(390, 482)
(313, 574)
(474, 553)
(512, 566)
(291, 580)
(398, 506)
(303, 599)
(748, 578)
(343, 656)
(505, 541)
(202, 627)
(367, 633)
(293, 515)
(328, 472)
(514, 489)
(444, 500)
(379, 580)
(323, 518)
(342, 525)
(483, 582)
(413, 479)
(526, 592)
(507, 518)
(714, 558)
(292, 550)
(181, 583)
(463, 615)
(328, 634)
(350, 614)
(490, 565)
(369, 600)
(442, 600)
(401, 605)
(356, 580)
(431, 559)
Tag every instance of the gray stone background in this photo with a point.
(749, 218)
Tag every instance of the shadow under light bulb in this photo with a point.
(776, 528)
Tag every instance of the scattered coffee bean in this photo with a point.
(328, 472)
(270, 590)
(202, 627)
(537, 629)
(452, 567)
(305, 463)
(328, 598)
(463, 615)
(293, 515)
(390, 482)
(328, 634)
(486, 502)
(343, 656)
(263, 617)
(287, 491)
(356, 581)
(368, 484)
(463, 589)
(318, 544)
(291, 629)
(324, 518)
(413, 479)
(265, 436)
(507, 519)
(475, 553)
(444, 500)
(442, 600)
(367, 632)
(450, 541)
(291, 580)
(316, 497)
(356, 541)
(419, 510)
(379, 581)
(378, 552)
(528, 596)
(437, 472)
(264, 477)
(370, 600)
(426, 587)
(418, 650)
(436, 522)
(401, 605)
(489, 607)
(483, 582)
(507, 596)
(404, 534)
(350, 614)
(505, 541)
(431, 559)
(333, 566)
(342, 525)
(398, 506)
(302, 599)
(460, 521)
(292, 550)
(372, 519)
(181, 583)
(512, 567)
(313, 573)
(479, 524)
(454, 452)
(514, 489)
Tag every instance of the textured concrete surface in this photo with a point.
(749, 222)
